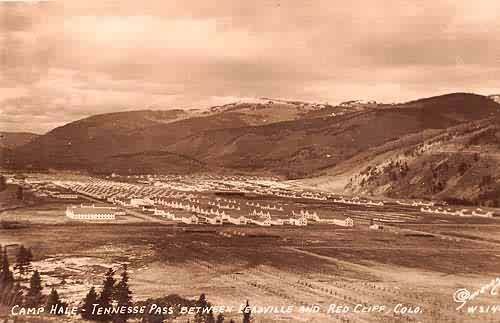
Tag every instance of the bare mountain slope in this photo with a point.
(302, 147)
(266, 111)
(325, 143)
(458, 164)
(12, 140)
(83, 142)
(91, 142)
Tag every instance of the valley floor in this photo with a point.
(357, 269)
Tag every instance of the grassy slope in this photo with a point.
(317, 144)
(460, 164)
(15, 139)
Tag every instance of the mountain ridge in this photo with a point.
(12, 139)
(247, 137)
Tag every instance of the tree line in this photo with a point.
(97, 306)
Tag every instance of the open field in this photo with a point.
(318, 264)
(480, 232)
(414, 259)
(51, 213)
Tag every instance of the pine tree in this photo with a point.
(220, 318)
(3, 184)
(53, 301)
(4, 262)
(6, 276)
(88, 304)
(106, 296)
(34, 296)
(201, 317)
(123, 296)
(20, 193)
(247, 313)
(23, 260)
(16, 295)
(210, 317)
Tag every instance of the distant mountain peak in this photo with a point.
(495, 97)
(358, 103)
(269, 103)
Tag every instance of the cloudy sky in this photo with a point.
(61, 61)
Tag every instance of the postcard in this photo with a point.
(249, 161)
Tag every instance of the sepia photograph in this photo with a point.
(265, 161)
